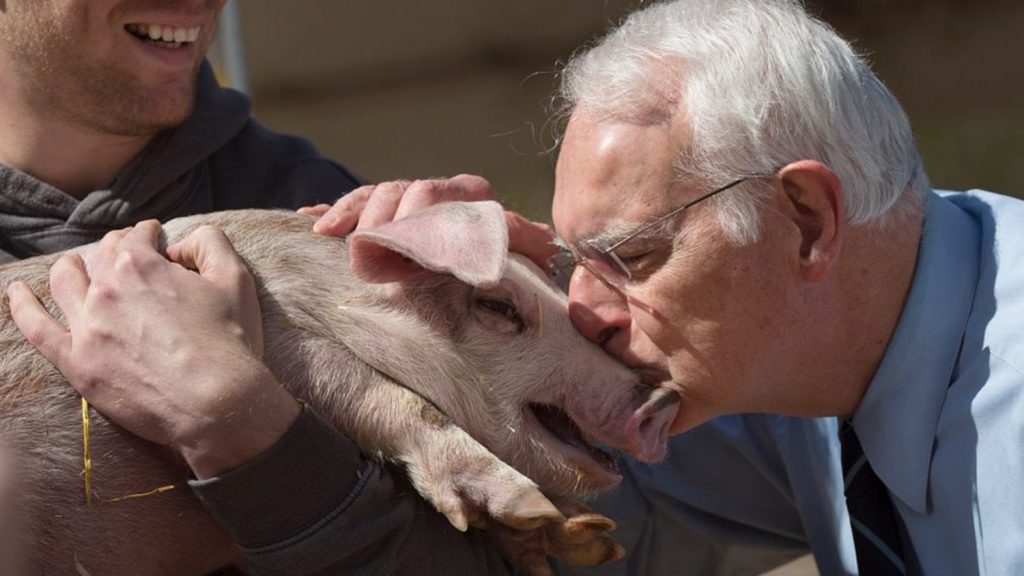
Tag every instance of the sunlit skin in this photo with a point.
(81, 95)
(794, 323)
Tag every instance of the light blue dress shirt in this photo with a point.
(942, 423)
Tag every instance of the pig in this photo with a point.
(424, 340)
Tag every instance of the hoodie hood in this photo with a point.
(163, 181)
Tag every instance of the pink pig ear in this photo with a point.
(466, 239)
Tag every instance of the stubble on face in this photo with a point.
(68, 65)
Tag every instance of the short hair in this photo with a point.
(762, 84)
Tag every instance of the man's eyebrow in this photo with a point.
(601, 239)
(619, 231)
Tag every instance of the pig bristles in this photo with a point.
(79, 568)
(579, 479)
(87, 465)
(86, 456)
(540, 314)
(554, 462)
(46, 430)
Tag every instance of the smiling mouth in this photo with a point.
(567, 432)
(163, 36)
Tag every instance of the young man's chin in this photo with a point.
(157, 115)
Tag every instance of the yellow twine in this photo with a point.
(86, 456)
(144, 494)
(87, 465)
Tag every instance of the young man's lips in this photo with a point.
(162, 55)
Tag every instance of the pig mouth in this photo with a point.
(567, 433)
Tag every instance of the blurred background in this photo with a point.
(399, 89)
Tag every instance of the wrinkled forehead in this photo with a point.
(611, 177)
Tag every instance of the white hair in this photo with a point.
(762, 84)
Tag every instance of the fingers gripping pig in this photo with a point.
(431, 347)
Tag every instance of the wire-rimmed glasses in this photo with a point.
(603, 262)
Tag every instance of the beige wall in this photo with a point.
(958, 69)
(409, 89)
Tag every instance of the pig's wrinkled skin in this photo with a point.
(427, 302)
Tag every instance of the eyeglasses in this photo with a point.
(604, 263)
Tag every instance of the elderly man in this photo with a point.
(753, 227)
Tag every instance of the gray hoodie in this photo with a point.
(219, 159)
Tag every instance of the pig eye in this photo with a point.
(504, 309)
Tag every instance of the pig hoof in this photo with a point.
(529, 511)
(581, 540)
(584, 527)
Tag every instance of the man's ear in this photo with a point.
(813, 200)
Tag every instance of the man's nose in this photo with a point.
(597, 310)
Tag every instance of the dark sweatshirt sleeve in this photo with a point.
(313, 505)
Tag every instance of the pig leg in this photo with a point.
(465, 480)
(451, 470)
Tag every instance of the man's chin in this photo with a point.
(691, 414)
(152, 121)
(165, 123)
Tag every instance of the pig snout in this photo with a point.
(647, 429)
(635, 421)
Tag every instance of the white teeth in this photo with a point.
(164, 33)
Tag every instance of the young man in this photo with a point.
(110, 116)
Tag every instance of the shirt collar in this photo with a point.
(899, 413)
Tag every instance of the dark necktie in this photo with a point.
(876, 533)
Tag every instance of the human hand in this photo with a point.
(170, 352)
(373, 205)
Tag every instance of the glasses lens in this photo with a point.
(562, 263)
(561, 267)
(604, 265)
